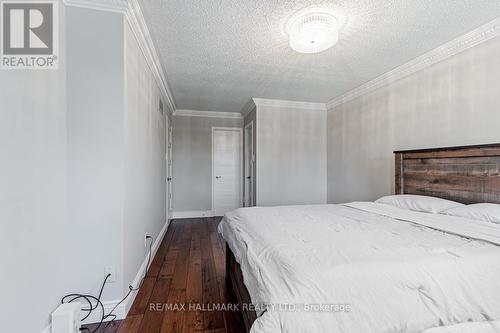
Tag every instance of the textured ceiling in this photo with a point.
(219, 53)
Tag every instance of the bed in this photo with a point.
(367, 267)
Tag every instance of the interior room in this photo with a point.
(250, 166)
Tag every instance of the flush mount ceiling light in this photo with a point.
(313, 32)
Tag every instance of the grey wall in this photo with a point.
(291, 156)
(81, 173)
(95, 146)
(192, 161)
(59, 175)
(455, 102)
(33, 194)
(144, 135)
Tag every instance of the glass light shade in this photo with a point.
(314, 33)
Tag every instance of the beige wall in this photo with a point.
(455, 102)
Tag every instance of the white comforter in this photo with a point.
(472, 327)
(377, 267)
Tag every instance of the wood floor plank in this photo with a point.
(219, 258)
(142, 299)
(153, 317)
(167, 269)
(233, 319)
(215, 221)
(105, 327)
(183, 242)
(193, 319)
(170, 258)
(131, 324)
(212, 320)
(173, 320)
(188, 268)
(157, 262)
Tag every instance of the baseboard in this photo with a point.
(142, 270)
(95, 316)
(122, 310)
(192, 214)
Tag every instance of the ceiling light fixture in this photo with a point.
(313, 32)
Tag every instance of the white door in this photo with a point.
(226, 170)
(169, 170)
(248, 166)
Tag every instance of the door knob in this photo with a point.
(218, 177)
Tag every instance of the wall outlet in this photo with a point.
(112, 271)
(147, 240)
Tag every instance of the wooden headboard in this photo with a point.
(469, 174)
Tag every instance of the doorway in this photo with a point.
(169, 170)
(248, 162)
(226, 169)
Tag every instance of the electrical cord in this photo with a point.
(147, 265)
(130, 288)
(98, 303)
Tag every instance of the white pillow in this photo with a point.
(419, 203)
(484, 212)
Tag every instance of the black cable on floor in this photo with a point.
(98, 303)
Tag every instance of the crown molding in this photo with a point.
(118, 6)
(209, 114)
(140, 29)
(278, 103)
(247, 108)
(456, 46)
(133, 14)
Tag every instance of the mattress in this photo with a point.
(364, 267)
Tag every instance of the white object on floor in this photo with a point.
(66, 318)
(398, 270)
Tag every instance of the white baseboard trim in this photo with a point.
(192, 214)
(95, 316)
(142, 270)
(122, 310)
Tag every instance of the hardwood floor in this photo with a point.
(189, 268)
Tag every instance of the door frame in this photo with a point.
(169, 165)
(248, 127)
(240, 132)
